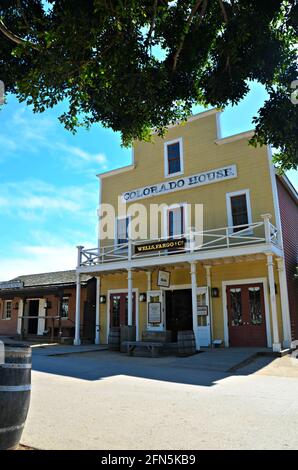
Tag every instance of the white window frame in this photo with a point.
(229, 209)
(4, 317)
(121, 217)
(165, 217)
(64, 298)
(166, 167)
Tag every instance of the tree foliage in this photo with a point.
(101, 56)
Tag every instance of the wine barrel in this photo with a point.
(114, 339)
(186, 343)
(15, 388)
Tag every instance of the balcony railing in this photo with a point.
(195, 241)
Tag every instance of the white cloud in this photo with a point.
(38, 259)
(36, 200)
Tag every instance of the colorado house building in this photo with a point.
(224, 250)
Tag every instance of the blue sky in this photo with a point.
(48, 188)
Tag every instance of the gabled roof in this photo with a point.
(50, 279)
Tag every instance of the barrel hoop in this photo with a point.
(15, 388)
(19, 353)
(12, 428)
(9, 365)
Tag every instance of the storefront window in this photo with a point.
(255, 306)
(236, 306)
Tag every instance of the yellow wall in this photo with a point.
(181, 276)
(201, 153)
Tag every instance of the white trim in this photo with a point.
(194, 117)
(274, 194)
(20, 314)
(4, 314)
(177, 205)
(229, 208)
(123, 291)
(117, 171)
(41, 313)
(117, 218)
(262, 248)
(259, 280)
(165, 155)
(233, 138)
(218, 126)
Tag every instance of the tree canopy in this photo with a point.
(134, 65)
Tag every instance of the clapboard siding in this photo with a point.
(289, 220)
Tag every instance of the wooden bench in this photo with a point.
(151, 346)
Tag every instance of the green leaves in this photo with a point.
(97, 55)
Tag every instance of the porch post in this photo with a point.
(129, 303)
(284, 300)
(77, 340)
(276, 344)
(266, 218)
(193, 273)
(148, 280)
(97, 311)
(208, 278)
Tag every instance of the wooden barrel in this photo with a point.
(127, 333)
(114, 339)
(15, 387)
(186, 343)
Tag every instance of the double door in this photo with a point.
(246, 315)
(119, 310)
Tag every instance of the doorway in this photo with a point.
(119, 309)
(33, 312)
(178, 311)
(246, 315)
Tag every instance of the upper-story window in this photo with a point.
(122, 224)
(239, 210)
(175, 221)
(173, 155)
(7, 310)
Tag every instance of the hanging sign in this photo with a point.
(188, 182)
(163, 279)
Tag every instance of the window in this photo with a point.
(64, 307)
(173, 154)
(7, 310)
(122, 230)
(239, 210)
(175, 221)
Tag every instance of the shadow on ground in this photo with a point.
(202, 369)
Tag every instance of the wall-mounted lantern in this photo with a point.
(102, 299)
(214, 292)
(143, 297)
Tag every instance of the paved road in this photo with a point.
(104, 400)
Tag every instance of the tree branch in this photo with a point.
(188, 24)
(224, 13)
(13, 37)
(152, 25)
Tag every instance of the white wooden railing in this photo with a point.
(219, 238)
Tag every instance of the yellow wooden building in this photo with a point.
(191, 238)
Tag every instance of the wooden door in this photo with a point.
(119, 309)
(246, 315)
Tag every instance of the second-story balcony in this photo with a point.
(256, 237)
